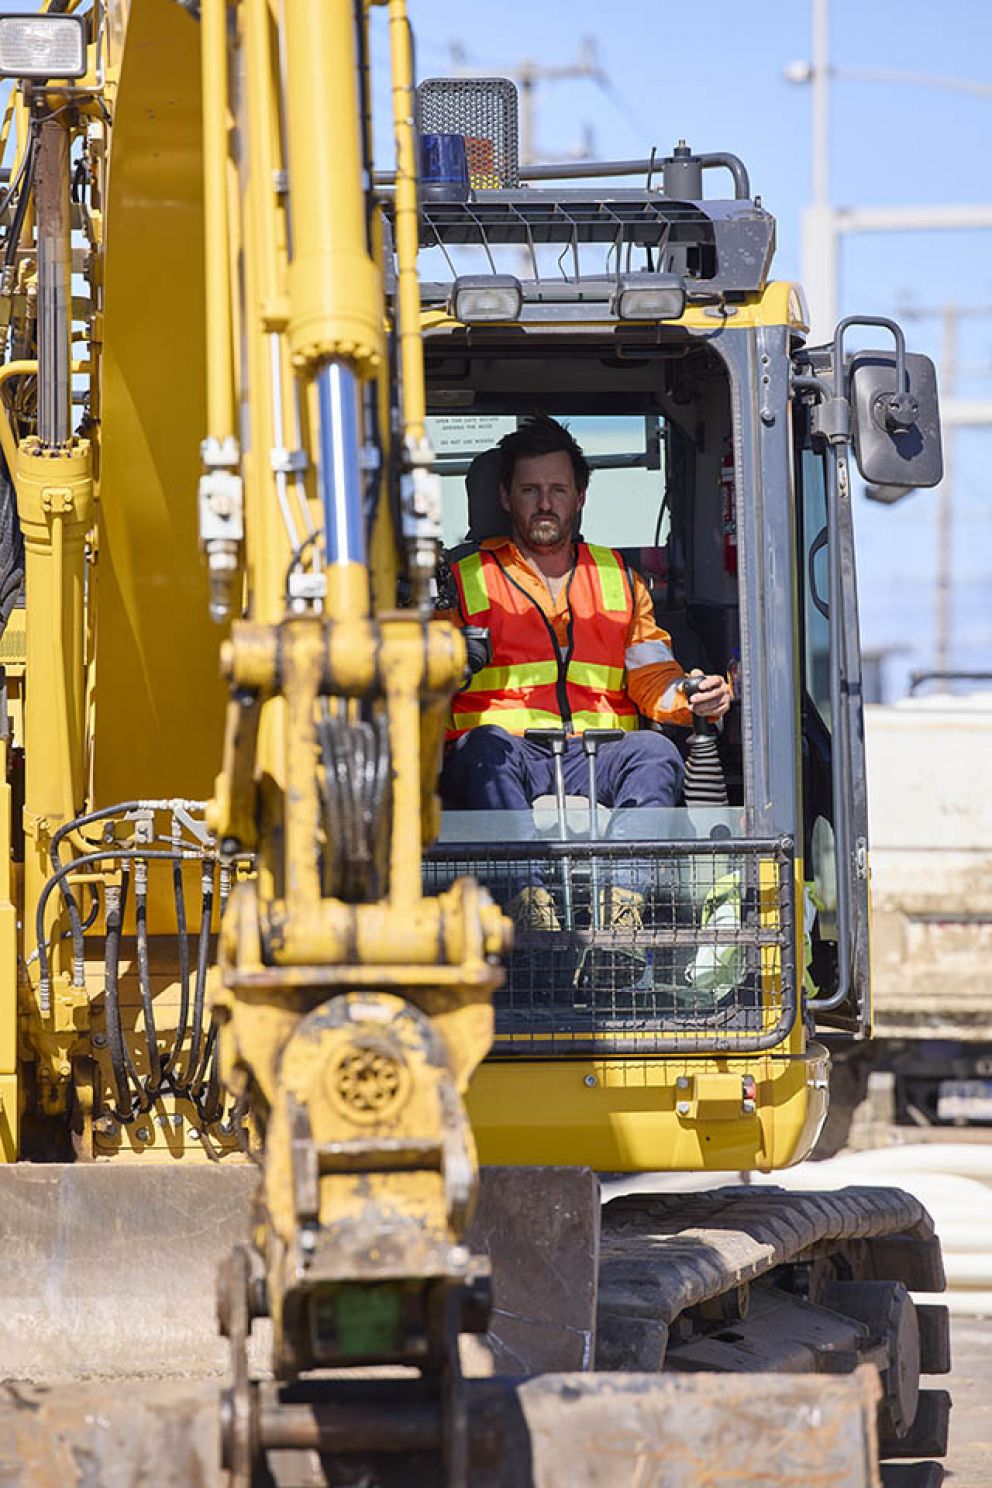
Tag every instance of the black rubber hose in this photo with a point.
(115, 897)
(202, 961)
(182, 934)
(208, 1101)
(77, 926)
(119, 855)
(154, 1081)
(23, 197)
(11, 548)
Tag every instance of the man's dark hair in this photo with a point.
(541, 435)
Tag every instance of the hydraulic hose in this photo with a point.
(119, 855)
(115, 896)
(76, 924)
(208, 1101)
(182, 934)
(154, 1080)
(200, 989)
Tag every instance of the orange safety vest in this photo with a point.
(529, 683)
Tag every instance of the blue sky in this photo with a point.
(713, 75)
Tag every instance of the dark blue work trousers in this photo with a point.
(489, 769)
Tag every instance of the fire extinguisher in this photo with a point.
(728, 507)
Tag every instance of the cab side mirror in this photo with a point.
(896, 430)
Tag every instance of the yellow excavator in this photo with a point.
(261, 1004)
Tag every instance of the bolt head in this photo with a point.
(590, 1080)
(194, 1134)
(143, 1134)
(682, 1083)
(99, 1040)
(683, 1108)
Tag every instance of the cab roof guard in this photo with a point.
(718, 247)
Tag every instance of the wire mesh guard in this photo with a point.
(639, 947)
(484, 112)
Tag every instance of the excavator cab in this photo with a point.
(648, 322)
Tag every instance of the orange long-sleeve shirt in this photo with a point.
(652, 671)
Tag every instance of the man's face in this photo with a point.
(543, 501)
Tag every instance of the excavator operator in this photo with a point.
(575, 647)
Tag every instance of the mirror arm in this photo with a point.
(803, 384)
(869, 320)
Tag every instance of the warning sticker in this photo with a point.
(468, 433)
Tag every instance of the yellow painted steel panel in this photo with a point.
(8, 1118)
(158, 697)
(620, 1114)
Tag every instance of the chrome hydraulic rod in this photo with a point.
(340, 473)
(54, 285)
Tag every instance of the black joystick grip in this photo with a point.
(478, 649)
(690, 686)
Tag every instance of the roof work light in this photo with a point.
(42, 46)
(647, 296)
(481, 297)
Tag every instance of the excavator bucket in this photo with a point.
(113, 1367)
(556, 1431)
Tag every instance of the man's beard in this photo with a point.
(544, 531)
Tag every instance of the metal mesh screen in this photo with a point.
(484, 111)
(639, 947)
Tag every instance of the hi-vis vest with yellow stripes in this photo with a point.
(529, 683)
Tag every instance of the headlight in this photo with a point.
(42, 46)
(479, 297)
(649, 297)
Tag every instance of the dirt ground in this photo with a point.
(969, 1458)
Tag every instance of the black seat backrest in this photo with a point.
(486, 518)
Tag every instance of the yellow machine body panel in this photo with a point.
(639, 1115)
(156, 676)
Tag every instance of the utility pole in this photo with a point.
(528, 77)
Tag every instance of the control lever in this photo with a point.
(689, 686)
(478, 648)
(591, 740)
(558, 741)
(704, 783)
